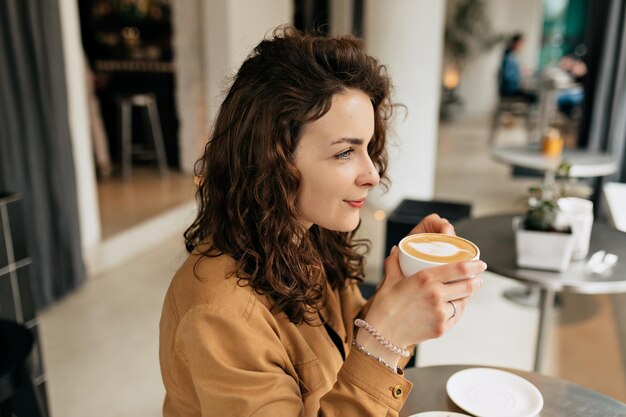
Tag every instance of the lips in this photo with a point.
(356, 203)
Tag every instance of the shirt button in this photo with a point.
(397, 391)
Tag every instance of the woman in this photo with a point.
(510, 75)
(260, 319)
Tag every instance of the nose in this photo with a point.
(368, 176)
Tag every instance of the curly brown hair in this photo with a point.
(249, 189)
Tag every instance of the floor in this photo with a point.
(126, 203)
(100, 343)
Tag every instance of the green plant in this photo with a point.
(468, 32)
(543, 198)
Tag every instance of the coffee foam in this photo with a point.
(439, 248)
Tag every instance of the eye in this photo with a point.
(345, 154)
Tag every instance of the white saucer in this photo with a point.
(439, 414)
(486, 392)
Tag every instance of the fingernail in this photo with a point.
(484, 265)
(394, 248)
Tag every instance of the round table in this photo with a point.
(585, 164)
(561, 398)
(496, 240)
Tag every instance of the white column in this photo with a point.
(407, 36)
(189, 32)
(78, 110)
(234, 27)
(212, 38)
(341, 17)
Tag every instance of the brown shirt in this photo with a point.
(224, 353)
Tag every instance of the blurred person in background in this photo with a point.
(510, 74)
(570, 100)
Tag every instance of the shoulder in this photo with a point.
(203, 282)
(205, 306)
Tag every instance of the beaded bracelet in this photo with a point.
(362, 324)
(378, 358)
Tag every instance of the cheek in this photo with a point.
(332, 185)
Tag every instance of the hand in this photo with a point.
(433, 223)
(410, 310)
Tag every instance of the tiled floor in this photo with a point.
(100, 344)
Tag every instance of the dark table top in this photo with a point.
(561, 398)
(495, 237)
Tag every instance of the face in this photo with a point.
(336, 169)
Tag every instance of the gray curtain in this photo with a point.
(608, 121)
(35, 148)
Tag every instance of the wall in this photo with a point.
(212, 39)
(478, 86)
(189, 32)
(89, 216)
(407, 36)
(341, 16)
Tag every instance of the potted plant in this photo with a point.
(543, 240)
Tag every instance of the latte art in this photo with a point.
(439, 248)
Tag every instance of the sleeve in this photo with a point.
(365, 387)
(239, 367)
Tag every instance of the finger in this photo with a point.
(461, 306)
(447, 228)
(461, 289)
(428, 224)
(433, 223)
(441, 225)
(454, 310)
(453, 272)
(392, 268)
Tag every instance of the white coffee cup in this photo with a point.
(425, 250)
(578, 214)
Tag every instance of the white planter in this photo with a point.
(551, 251)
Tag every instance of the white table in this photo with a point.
(585, 164)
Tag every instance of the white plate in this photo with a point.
(438, 414)
(486, 392)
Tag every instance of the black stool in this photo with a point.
(17, 394)
(147, 103)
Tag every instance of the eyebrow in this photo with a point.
(352, 141)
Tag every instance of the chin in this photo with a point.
(345, 224)
(348, 226)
